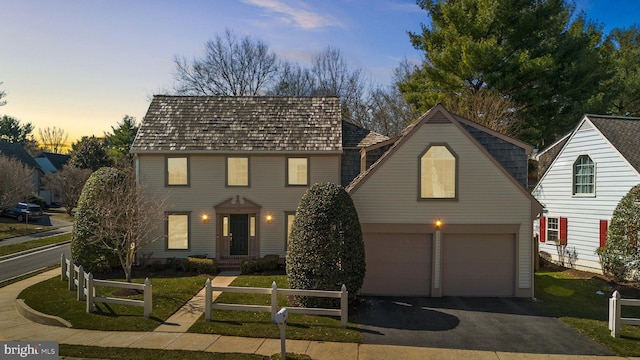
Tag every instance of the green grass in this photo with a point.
(169, 294)
(28, 245)
(258, 324)
(10, 227)
(94, 352)
(575, 301)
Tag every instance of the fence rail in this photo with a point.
(343, 312)
(615, 313)
(86, 285)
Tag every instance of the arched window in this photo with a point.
(438, 173)
(584, 175)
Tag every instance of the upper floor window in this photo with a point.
(584, 176)
(438, 173)
(237, 171)
(178, 171)
(297, 171)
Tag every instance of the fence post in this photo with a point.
(63, 266)
(147, 298)
(274, 301)
(71, 274)
(80, 283)
(344, 306)
(615, 319)
(90, 293)
(207, 300)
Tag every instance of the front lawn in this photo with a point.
(32, 244)
(10, 227)
(169, 294)
(258, 324)
(573, 297)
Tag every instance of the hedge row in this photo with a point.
(267, 263)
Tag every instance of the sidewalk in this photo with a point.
(14, 326)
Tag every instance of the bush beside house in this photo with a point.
(326, 248)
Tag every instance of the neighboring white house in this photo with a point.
(585, 175)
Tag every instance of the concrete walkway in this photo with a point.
(14, 326)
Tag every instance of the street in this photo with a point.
(23, 264)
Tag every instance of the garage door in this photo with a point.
(478, 264)
(397, 264)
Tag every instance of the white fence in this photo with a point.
(615, 313)
(343, 312)
(86, 285)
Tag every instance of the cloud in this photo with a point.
(295, 15)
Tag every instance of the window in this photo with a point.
(553, 229)
(297, 171)
(438, 173)
(178, 171)
(290, 217)
(178, 231)
(583, 176)
(237, 171)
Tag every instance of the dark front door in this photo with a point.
(239, 230)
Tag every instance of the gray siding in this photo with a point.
(207, 189)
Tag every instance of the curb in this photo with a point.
(39, 317)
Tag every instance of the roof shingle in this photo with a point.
(247, 123)
(623, 133)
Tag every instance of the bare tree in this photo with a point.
(486, 107)
(389, 112)
(53, 139)
(2, 94)
(15, 182)
(68, 184)
(335, 77)
(231, 66)
(126, 217)
(294, 80)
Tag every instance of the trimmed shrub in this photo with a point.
(326, 249)
(200, 265)
(85, 250)
(620, 257)
(252, 266)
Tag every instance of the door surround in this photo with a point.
(237, 205)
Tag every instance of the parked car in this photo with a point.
(21, 210)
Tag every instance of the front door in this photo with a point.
(239, 234)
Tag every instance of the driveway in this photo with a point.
(492, 324)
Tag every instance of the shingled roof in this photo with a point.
(623, 133)
(241, 123)
(355, 136)
(17, 151)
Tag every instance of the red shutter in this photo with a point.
(563, 229)
(604, 226)
(543, 229)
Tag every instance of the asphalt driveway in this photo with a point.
(492, 324)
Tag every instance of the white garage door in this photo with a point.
(397, 264)
(478, 264)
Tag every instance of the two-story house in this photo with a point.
(584, 176)
(235, 168)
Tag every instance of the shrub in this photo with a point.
(201, 265)
(620, 257)
(326, 249)
(86, 250)
(267, 263)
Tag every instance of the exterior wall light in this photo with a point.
(438, 224)
(269, 218)
(205, 218)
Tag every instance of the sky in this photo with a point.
(82, 65)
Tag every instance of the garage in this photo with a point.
(478, 264)
(398, 264)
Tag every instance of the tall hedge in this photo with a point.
(325, 247)
(620, 257)
(85, 249)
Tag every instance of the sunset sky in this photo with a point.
(82, 65)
